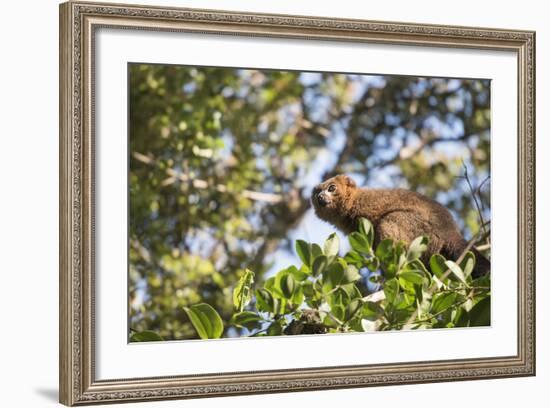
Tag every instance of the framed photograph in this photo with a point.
(258, 203)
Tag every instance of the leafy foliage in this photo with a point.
(242, 292)
(146, 335)
(205, 320)
(325, 298)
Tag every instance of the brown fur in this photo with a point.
(395, 213)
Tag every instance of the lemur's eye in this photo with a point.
(331, 188)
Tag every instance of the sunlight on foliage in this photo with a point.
(321, 295)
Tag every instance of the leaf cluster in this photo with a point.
(321, 295)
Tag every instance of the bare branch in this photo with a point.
(483, 247)
(413, 152)
(474, 196)
(174, 175)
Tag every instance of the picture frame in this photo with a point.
(79, 24)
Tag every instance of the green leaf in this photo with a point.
(367, 230)
(407, 286)
(440, 266)
(265, 301)
(352, 308)
(288, 285)
(416, 265)
(308, 289)
(332, 245)
(404, 301)
(456, 271)
(385, 250)
(355, 324)
(467, 264)
(206, 321)
(442, 301)
(319, 265)
(480, 315)
(333, 276)
(338, 298)
(417, 248)
(299, 274)
(247, 319)
(276, 287)
(352, 290)
(462, 318)
(415, 277)
(297, 297)
(391, 289)
(303, 249)
(278, 304)
(351, 274)
(269, 283)
(338, 312)
(372, 311)
(316, 251)
(373, 264)
(146, 335)
(482, 281)
(353, 257)
(275, 329)
(359, 243)
(242, 294)
(437, 265)
(420, 295)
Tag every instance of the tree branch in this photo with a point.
(474, 196)
(174, 175)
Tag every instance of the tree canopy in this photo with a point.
(222, 162)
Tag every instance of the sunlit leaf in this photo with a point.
(456, 271)
(467, 264)
(332, 245)
(242, 294)
(359, 242)
(288, 285)
(391, 289)
(303, 249)
(417, 248)
(206, 321)
(442, 301)
(146, 335)
(265, 301)
(247, 319)
(367, 230)
(415, 277)
(319, 265)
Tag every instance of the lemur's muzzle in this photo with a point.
(322, 199)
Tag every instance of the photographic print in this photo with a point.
(266, 202)
(262, 218)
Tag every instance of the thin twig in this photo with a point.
(474, 196)
(478, 190)
(425, 142)
(203, 184)
(483, 247)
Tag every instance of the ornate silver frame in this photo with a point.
(78, 22)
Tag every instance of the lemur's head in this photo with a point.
(331, 196)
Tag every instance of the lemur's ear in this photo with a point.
(349, 181)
